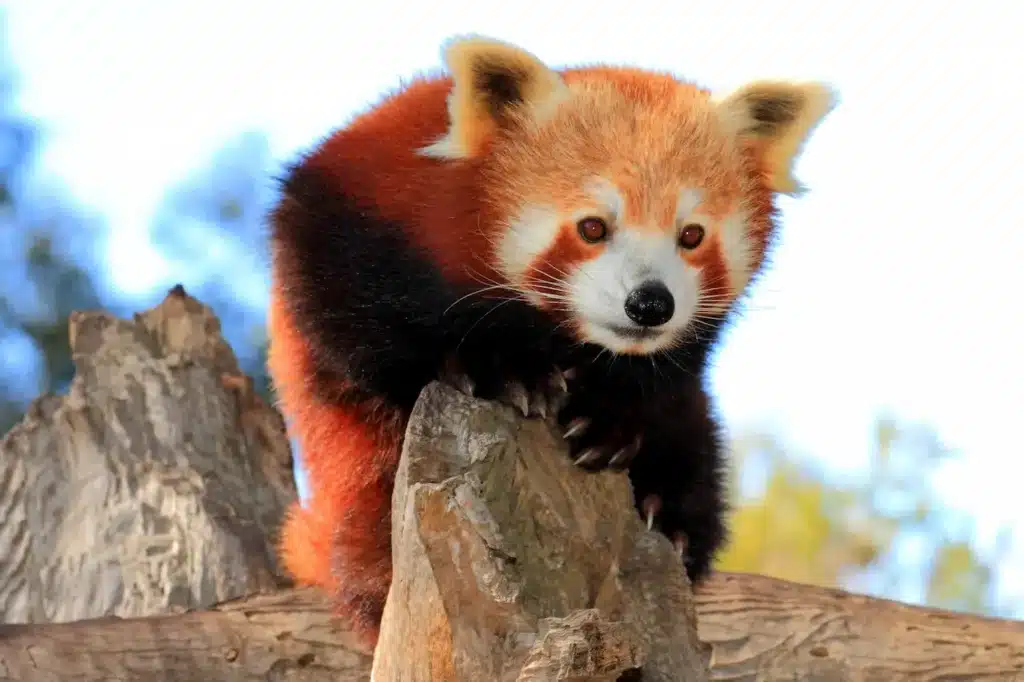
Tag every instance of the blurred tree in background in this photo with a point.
(210, 227)
(47, 255)
(797, 525)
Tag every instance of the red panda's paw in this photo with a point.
(544, 398)
(539, 393)
(599, 437)
(684, 507)
(661, 512)
(650, 507)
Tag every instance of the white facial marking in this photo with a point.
(607, 195)
(529, 234)
(735, 244)
(736, 247)
(689, 200)
(631, 257)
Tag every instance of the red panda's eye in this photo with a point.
(592, 229)
(691, 236)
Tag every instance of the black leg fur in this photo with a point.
(657, 424)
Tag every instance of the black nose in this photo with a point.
(650, 304)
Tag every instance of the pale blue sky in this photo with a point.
(894, 286)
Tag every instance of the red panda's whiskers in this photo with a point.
(562, 272)
(479, 292)
(668, 356)
(702, 324)
(557, 298)
(480, 319)
(481, 279)
(541, 276)
(549, 286)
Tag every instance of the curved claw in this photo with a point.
(651, 506)
(555, 393)
(576, 427)
(464, 384)
(625, 455)
(558, 382)
(518, 397)
(680, 542)
(589, 456)
(454, 375)
(538, 405)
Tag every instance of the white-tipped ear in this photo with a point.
(778, 117)
(491, 79)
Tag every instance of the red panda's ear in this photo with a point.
(778, 117)
(491, 80)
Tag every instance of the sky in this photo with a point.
(893, 287)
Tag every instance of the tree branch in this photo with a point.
(772, 630)
(287, 635)
(158, 482)
(759, 629)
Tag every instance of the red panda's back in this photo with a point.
(376, 162)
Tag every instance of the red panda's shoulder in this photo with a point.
(375, 154)
(375, 163)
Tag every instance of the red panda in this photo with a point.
(568, 241)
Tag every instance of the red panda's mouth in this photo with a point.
(634, 333)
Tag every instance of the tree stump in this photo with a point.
(154, 486)
(510, 563)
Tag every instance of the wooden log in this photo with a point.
(153, 491)
(286, 635)
(758, 629)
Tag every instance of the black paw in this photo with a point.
(662, 517)
(540, 391)
(688, 511)
(600, 435)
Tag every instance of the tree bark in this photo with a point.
(759, 630)
(510, 563)
(157, 485)
(285, 635)
(772, 630)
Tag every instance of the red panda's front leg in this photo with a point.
(667, 438)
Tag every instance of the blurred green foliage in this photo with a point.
(799, 525)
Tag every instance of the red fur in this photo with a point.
(375, 158)
(350, 455)
(351, 452)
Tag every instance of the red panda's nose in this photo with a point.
(650, 304)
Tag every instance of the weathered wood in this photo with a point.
(759, 629)
(767, 630)
(287, 635)
(511, 563)
(155, 485)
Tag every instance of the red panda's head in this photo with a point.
(626, 202)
